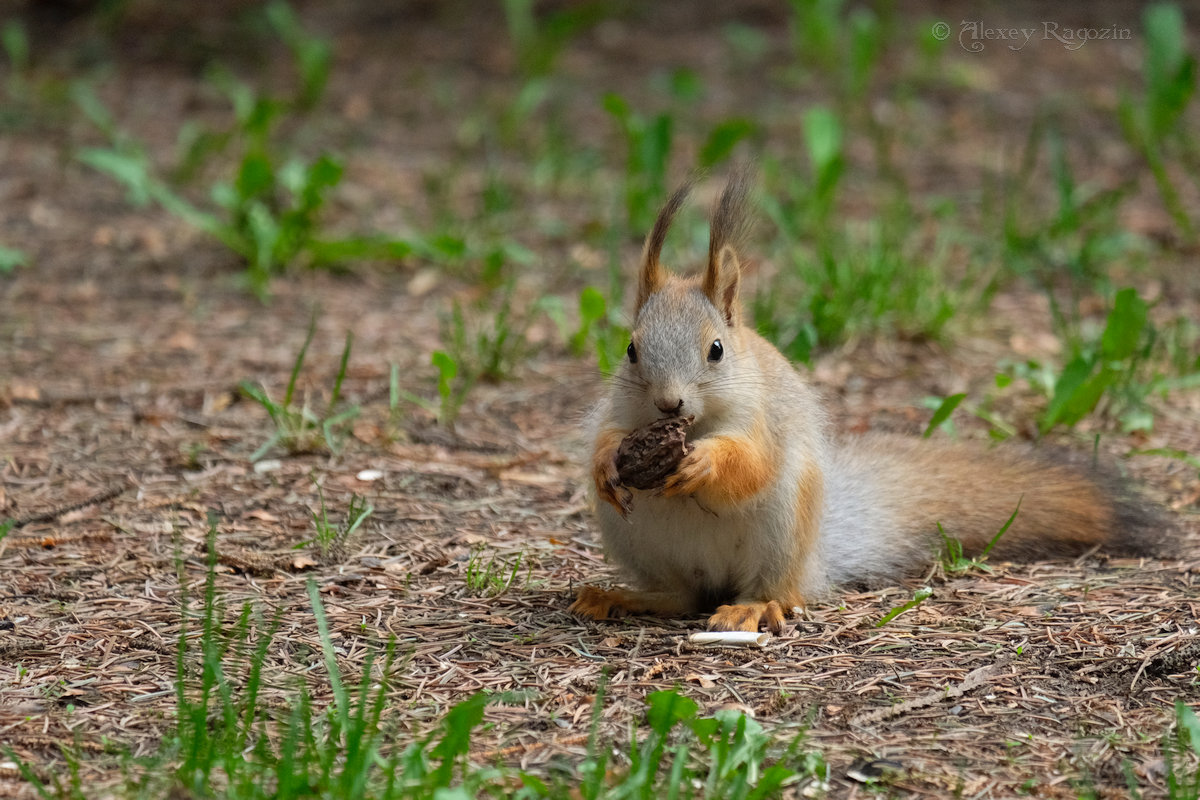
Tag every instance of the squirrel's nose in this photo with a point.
(669, 406)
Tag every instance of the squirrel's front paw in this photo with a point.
(692, 474)
(610, 490)
(606, 477)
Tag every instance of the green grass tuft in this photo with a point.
(329, 538)
(298, 428)
(953, 561)
(494, 575)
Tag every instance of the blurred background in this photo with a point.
(927, 173)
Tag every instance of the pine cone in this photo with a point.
(648, 455)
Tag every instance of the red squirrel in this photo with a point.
(768, 510)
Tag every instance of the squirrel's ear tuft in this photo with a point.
(721, 281)
(650, 280)
(728, 226)
(653, 275)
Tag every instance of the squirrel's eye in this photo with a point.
(631, 351)
(716, 351)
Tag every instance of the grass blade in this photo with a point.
(341, 707)
(1003, 530)
(291, 386)
(919, 596)
(341, 373)
(943, 413)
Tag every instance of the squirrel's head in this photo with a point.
(686, 342)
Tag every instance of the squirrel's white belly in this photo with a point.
(675, 545)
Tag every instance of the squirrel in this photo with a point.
(768, 511)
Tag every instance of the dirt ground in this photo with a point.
(122, 429)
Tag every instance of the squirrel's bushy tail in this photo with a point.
(886, 496)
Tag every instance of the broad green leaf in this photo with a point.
(615, 104)
(1170, 70)
(256, 177)
(656, 147)
(1072, 377)
(592, 305)
(1189, 726)
(338, 250)
(666, 708)
(265, 234)
(1164, 46)
(447, 370)
(325, 172)
(723, 138)
(822, 137)
(456, 741)
(130, 169)
(1084, 398)
(1125, 324)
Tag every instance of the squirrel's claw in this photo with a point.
(690, 476)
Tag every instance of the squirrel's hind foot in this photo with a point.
(748, 617)
(592, 602)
